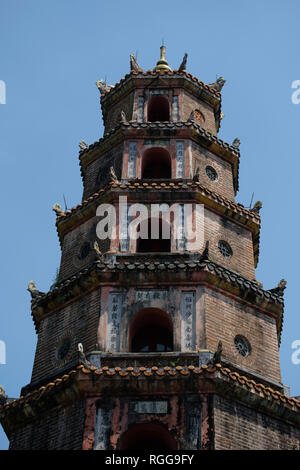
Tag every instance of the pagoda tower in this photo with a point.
(157, 342)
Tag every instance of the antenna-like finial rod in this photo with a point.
(162, 64)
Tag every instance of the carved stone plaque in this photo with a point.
(113, 324)
(188, 321)
(151, 407)
(150, 295)
(179, 159)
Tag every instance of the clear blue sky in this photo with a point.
(52, 53)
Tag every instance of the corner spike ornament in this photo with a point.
(196, 176)
(82, 146)
(103, 87)
(257, 207)
(33, 290)
(182, 67)
(162, 64)
(205, 254)
(218, 354)
(279, 290)
(3, 396)
(236, 143)
(123, 118)
(217, 357)
(112, 175)
(98, 251)
(82, 358)
(134, 66)
(58, 209)
(192, 116)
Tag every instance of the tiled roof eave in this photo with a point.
(204, 138)
(212, 95)
(77, 382)
(117, 270)
(232, 210)
(165, 125)
(173, 185)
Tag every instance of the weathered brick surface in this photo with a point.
(71, 259)
(223, 185)
(191, 103)
(60, 429)
(113, 117)
(225, 318)
(239, 238)
(187, 104)
(77, 321)
(115, 416)
(238, 427)
(97, 172)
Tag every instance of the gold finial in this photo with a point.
(162, 64)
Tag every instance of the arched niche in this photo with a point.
(151, 330)
(156, 164)
(147, 436)
(158, 108)
(162, 241)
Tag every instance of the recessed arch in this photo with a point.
(158, 108)
(149, 436)
(151, 330)
(156, 164)
(161, 244)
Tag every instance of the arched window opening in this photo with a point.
(155, 245)
(158, 109)
(156, 164)
(151, 330)
(150, 436)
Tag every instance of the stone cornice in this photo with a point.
(84, 382)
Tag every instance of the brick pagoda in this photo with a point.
(147, 344)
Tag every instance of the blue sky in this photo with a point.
(53, 52)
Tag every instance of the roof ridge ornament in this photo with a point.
(218, 84)
(103, 87)
(134, 66)
(182, 67)
(162, 64)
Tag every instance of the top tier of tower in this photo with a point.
(166, 112)
(161, 95)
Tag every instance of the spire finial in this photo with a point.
(162, 64)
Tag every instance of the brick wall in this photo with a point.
(224, 183)
(225, 318)
(218, 228)
(113, 116)
(238, 427)
(60, 429)
(72, 259)
(116, 416)
(77, 321)
(97, 172)
(191, 103)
